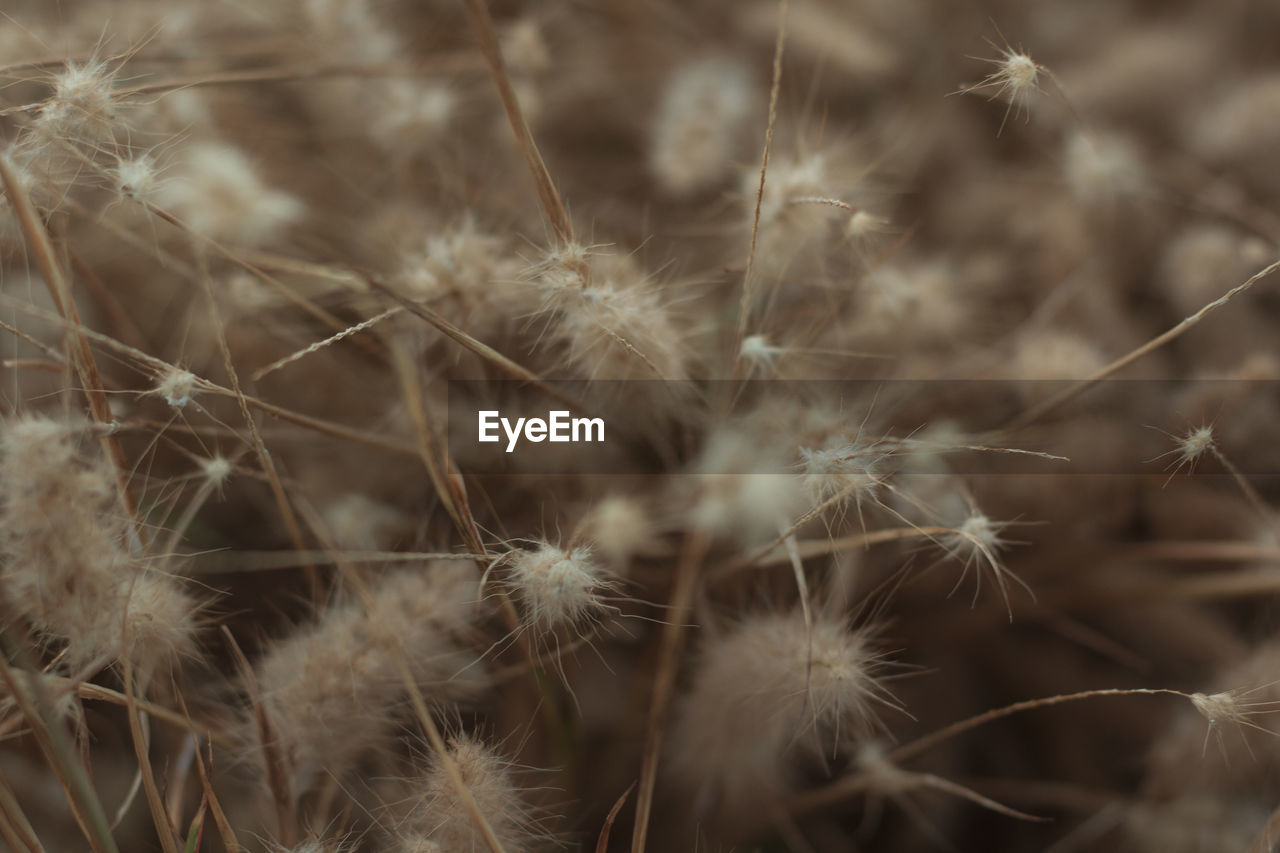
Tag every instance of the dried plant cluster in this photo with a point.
(255, 595)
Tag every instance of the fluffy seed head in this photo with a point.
(176, 386)
(409, 113)
(699, 124)
(788, 229)
(610, 318)
(617, 527)
(558, 587)
(470, 270)
(790, 179)
(978, 535)
(136, 179)
(1218, 707)
(743, 492)
(525, 48)
(1188, 449)
(918, 301)
(67, 559)
(1231, 790)
(216, 469)
(619, 332)
(1015, 79)
(1100, 168)
(440, 819)
(81, 105)
(759, 354)
(334, 690)
(1053, 354)
(360, 523)
(160, 621)
(248, 295)
(1018, 72)
(862, 226)
(86, 87)
(218, 192)
(847, 469)
(1194, 444)
(564, 268)
(764, 693)
(977, 543)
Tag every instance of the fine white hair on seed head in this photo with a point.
(1015, 80)
(558, 586)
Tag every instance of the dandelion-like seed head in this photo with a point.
(1015, 80)
(176, 386)
(1194, 444)
(81, 103)
(558, 586)
(1017, 73)
(136, 179)
(850, 470)
(759, 354)
(216, 469)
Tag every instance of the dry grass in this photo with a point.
(937, 503)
